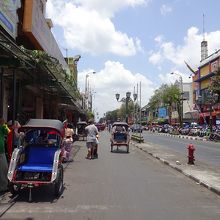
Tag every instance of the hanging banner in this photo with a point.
(8, 16)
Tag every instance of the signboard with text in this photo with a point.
(162, 112)
(8, 16)
(37, 30)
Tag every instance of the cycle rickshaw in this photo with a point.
(80, 130)
(120, 135)
(38, 161)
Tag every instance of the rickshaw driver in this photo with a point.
(119, 128)
(91, 141)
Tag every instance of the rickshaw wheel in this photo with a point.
(58, 186)
(128, 149)
(14, 189)
(111, 147)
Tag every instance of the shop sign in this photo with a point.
(36, 28)
(216, 107)
(162, 112)
(8, 16)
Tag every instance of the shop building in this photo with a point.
(207, 104)
(36, 81)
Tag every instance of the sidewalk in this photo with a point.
(200, 172)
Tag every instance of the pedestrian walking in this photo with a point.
(109, 127)
(91, 142)
(68, 143)
(13, 134)
(4, 130)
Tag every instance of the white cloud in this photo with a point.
(109, 8)
(190, 51)
(115, 78)
(159, 38)
(155, 58)
(165, 9)
(169, 78)
(88, 27)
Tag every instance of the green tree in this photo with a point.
(169, 96)
(112, 115)
(215, 83)
(122, 110)
(90, 115)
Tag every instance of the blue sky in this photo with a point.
(130, 41)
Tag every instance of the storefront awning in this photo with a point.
(205, 114)
(55, 78)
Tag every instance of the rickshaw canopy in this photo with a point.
(120, 124)
(43, 124)
(81, 123)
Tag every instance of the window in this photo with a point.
(186, 95)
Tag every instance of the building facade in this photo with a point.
(209, 109)
(35, 79)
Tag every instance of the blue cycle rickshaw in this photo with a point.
(120, 135)
(38, 161)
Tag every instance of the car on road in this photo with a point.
(100, 126)
(136, 128)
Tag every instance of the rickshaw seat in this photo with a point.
(35, 167)
(118, 136)
(39, 158)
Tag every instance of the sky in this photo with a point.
(133, 42)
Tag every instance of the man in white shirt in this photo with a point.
(91, 141)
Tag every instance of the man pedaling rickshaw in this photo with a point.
(91, 141)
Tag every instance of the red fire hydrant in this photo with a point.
(191, 150)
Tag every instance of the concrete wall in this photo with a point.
(187, 104)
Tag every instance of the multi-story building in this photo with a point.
(35, 79)
(209, 109)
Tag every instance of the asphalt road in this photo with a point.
(206, 151)
(119, 186)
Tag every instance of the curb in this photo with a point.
(198, 181)
(183, 137)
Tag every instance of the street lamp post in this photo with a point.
(92, 94)
(86, 86)
(127, 99)
(181, 99)
(86, 82)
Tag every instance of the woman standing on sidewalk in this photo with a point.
(4, 130)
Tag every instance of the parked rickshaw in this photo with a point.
(80, 130)
(120, 135)
(38, 161)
